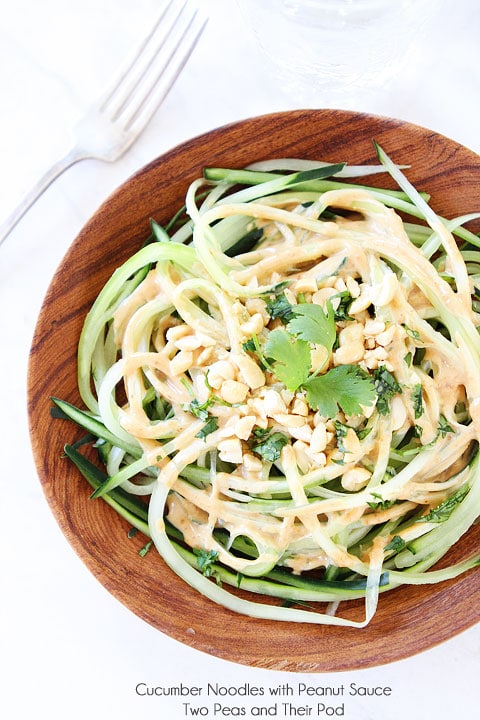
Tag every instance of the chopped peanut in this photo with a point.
(251, 374)
(362, 301)
(352, 286)
(374, 327)
(233, 391)
(177, 331)
(385, 338)
(253, 326)
(321, 296)
(188, 342)
(244, 426)
(181, 362)
(274, 403)
(230, 450)
(220, 371)
(300, 407)
(318, 440)
(290, 421)
(307, 284)
(356, 478)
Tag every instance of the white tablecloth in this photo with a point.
(70, 650)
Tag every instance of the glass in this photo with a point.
(335, 47)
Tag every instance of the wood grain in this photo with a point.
(409, 619)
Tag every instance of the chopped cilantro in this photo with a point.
(261, 433)
(362, 434)
(417, 431)
(443, 511)
(270, 445)
(347, 387)
(279, 307)
(209, 427)
(199, 409)
(341, 430)
(408, 359)
(205, 562)
(379, 503)
(249, 345)
(417, 400)
(443, 426)
(386, 387)
(341, 312)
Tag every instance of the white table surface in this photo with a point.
(69, 649)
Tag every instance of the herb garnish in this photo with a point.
(386, 387)
(312, 324)
(209, 427)
(380, 503)
(443, 511)
(205, 561)
(417, 400)
(279, 307)
(443, 426)
(347, 387)
(270, 444)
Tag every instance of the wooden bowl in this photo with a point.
(409, 619)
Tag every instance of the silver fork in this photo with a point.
(116, 120)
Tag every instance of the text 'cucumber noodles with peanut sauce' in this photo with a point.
(283, 386)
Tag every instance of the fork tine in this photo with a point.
(160, 84)
(118, 93)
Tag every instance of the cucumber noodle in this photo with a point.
(247, 483)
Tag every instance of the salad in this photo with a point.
(282, 387)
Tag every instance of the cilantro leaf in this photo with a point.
(270, 445)
(341, 431)
(341, 312)
(443, 511)
(417, 400)
(292, 358)
(209, 427)
(249, 345)
(279, 307)
(386, 387)
(345, 386)
(443, 426)
(312, 324)
(199, 409)
(417, 431)
(205, 560)
(261, 433)
(380, 503)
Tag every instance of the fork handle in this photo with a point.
(72, 156)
